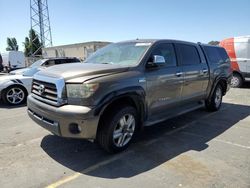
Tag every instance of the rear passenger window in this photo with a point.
(216, 54)
(60, 61)
(72, 60)
(188, 54)
(167, 51)
(49, 63)
(223, 54)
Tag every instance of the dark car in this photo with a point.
(1, 63)
(128, 85)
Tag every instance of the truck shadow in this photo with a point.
(5, 106)
(155, 145)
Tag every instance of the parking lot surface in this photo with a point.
(198, 149)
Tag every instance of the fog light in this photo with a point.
(74, 128)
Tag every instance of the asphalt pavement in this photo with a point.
(198, 149)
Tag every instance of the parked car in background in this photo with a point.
(46, 63)
(1, 63)
(15, 87)
(13, 60)
(125, 86)
(238, 49)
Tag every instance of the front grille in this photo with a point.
(44, 90)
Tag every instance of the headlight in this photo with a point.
(81, 90)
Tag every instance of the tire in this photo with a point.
(124, 122)
(236, 81)
(215, 103)
(14, 95)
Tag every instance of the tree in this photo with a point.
(11, 44)
(27, 47)
(32, 44)
(214, 43)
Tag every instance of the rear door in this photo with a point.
(164, 83)
(195, 70)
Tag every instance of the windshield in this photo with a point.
(30, 72)
(125, 54)
(37, 63)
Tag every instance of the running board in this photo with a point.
(150, 123)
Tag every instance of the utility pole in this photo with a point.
(40, 23)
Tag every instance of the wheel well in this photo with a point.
(122, 101)
(239, 74)
(223, 84)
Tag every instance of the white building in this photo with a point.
(79, 50)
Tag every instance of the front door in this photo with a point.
(164, 83)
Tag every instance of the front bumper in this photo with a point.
(58, 119)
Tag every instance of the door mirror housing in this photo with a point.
(156, 61)
(159, 60)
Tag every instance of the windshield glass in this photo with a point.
(30, 72)
(37, 63)
(125, 54)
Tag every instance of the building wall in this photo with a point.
(80, 50)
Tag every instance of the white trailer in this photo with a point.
(13, 60)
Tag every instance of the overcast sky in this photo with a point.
(74, 21)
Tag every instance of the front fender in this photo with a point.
(136, 93)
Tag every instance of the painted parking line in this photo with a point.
(118, 156)
(87, 170)
(218, 140)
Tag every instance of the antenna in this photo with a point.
(40, 23)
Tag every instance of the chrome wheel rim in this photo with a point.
(124, 130)
(235, 81)
(218, 97)
(15, 95)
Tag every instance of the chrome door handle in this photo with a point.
(178, 74)
(204, 71)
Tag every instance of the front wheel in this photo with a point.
(14, 95)
(215, 103)
(118, 129)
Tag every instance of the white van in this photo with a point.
(13, 60)
(238, 49)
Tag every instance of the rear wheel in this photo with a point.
(118, 129)
(236, 81)
(215, 103)
(14, 95)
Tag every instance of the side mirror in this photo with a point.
(156, 61)
(159, 60)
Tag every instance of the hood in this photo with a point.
(19, 71)
(76, 70)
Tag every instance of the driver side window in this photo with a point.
(167, 51)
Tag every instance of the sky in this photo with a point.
(76, 21)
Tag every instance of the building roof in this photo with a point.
(78, 44)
